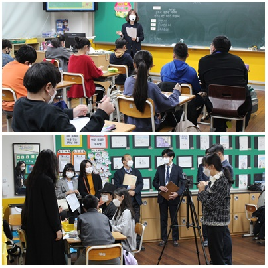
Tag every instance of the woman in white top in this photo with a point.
(68, 185)
(123, 220)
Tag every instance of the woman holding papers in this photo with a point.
(132, 32)
(66, 186)
(40, 216)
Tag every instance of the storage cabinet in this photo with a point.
(16, 47)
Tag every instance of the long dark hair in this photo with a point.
(46, 163)
(126, 202)
(18, 168)
(80, 42)
(83, 164)
(214, 159)
(143, 60)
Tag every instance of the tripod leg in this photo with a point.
(170, 228)
(195, 221)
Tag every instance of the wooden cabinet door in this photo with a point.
(152, 229)
(150, 208)
(183, 207)
(240, 223)
(239, 201)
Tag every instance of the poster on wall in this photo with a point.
(24, 156)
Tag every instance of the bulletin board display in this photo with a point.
(245, 153)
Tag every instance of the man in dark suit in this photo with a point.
(134, 190)
(164, 174)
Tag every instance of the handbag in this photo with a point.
(129, 258)
(185, 125)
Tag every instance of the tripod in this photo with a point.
(194, 224)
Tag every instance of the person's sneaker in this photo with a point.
(175, 244)
(161, 243)
(205, 243)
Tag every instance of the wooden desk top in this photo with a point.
(121, 127)
(116, 235)
(65, 84)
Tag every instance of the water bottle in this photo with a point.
(75, 225)
(61, 73)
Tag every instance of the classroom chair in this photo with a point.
(23, 245)
(104, 253)
(123, 69)
(225, 101)
(139, 230)
(126, 106)
(14, 220)
(55, 62)
(79, 80)
(8, 95)
(250, 208)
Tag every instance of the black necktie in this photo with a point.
(167, 175)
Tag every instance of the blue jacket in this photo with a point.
(180, 72)
(162, 103)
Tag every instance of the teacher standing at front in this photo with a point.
(132, 32)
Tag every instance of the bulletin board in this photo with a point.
(245, 153)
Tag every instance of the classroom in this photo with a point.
(184, 30)
(245, 153)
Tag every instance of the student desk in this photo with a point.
(80, 122)
(76, 243)
(184, 99)
(63, 85)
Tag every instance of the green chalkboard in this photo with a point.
(253, 170)
(106, 23)
(197, 23)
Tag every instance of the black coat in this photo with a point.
(133, 46)
(119, 179)
(83, 185)
(175, 176)
(41, 221)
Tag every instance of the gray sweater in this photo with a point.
(95, 229)
(216, 202)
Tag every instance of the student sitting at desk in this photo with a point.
(178, 71)
(34, 113)
(120, 57)
(83, 64)
(94, 230)
(138, 87)
(59, 52)
(6, 47)
(13, 74)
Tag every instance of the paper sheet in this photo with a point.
(261, 161)
(184, 142)
(79, 122)
(243, 161)
(131, 32)
(243, 182)
(62, 203)
(204, 142)
(261, 143)
(243, 143)
(129, 179)
(73, 201)
(185, 161)
(224, 141)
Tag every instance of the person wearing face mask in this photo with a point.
(34, 114)
(123, 220)
(133, 190)
(68, 185)
(164, 174)
(20, 182)
(215, 198)
(132, 25)
(6, 47)
(83, 64)
(88, 181)
(14, 72)
(106, 200)
(94, 229)
(227, 250)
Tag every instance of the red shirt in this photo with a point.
(83, 64)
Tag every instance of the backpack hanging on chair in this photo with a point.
(185, 125)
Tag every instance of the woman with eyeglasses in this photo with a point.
(66, 186)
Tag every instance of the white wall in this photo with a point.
(46, 142)
(28, 19)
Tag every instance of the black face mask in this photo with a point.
(7, 52)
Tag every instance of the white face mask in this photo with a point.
(52, 97)
(69, 175)
(104, 198)
(130, 163)
(132, 17)
(116, 202)
(206, 171)
(89, 169)
(22, 168)
(166, 160)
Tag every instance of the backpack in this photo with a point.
(254, 99)
(185, 125)
(129, 258)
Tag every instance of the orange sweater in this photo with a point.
(12, 77)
